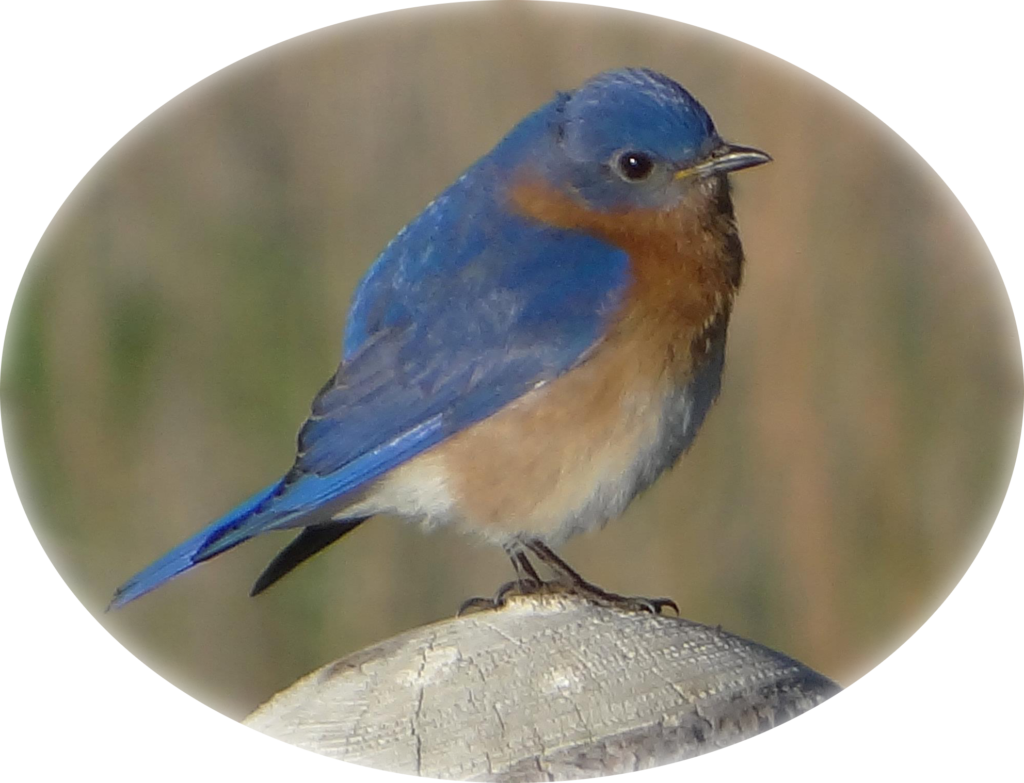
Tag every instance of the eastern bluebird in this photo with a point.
(530, 352)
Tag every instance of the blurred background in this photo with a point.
(189, 300)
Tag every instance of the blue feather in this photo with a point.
(468, 308)
(473, 304)
(183, 556)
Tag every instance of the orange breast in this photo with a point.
(571, 454)
(685, 265)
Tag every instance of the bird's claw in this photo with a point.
(586, 591)
(622, 602)
(515, 587)
(567, 582)
(654, 605)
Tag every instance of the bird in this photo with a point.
(531, 351)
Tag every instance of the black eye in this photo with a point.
(634, 166)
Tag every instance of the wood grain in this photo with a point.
(547, 688)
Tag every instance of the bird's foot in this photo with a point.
(515, 587)
(595, 594)
(569, 581)
(581, 589)
(566, 582)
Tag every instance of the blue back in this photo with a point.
(471, 305)
(468, 308)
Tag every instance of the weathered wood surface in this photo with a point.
(547, 688)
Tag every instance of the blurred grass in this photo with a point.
(189, 299)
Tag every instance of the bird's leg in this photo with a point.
(527, 581)
(572, 582)
(521, 563)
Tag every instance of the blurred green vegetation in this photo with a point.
(189, 299)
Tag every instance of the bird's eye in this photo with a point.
(634, 166)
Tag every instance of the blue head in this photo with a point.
(630, 138)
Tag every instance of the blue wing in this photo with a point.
(467, 309)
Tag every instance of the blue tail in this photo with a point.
(297, 500)
(186, 554)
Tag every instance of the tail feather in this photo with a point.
(186, 554)
(303, 546)
(300, 499)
